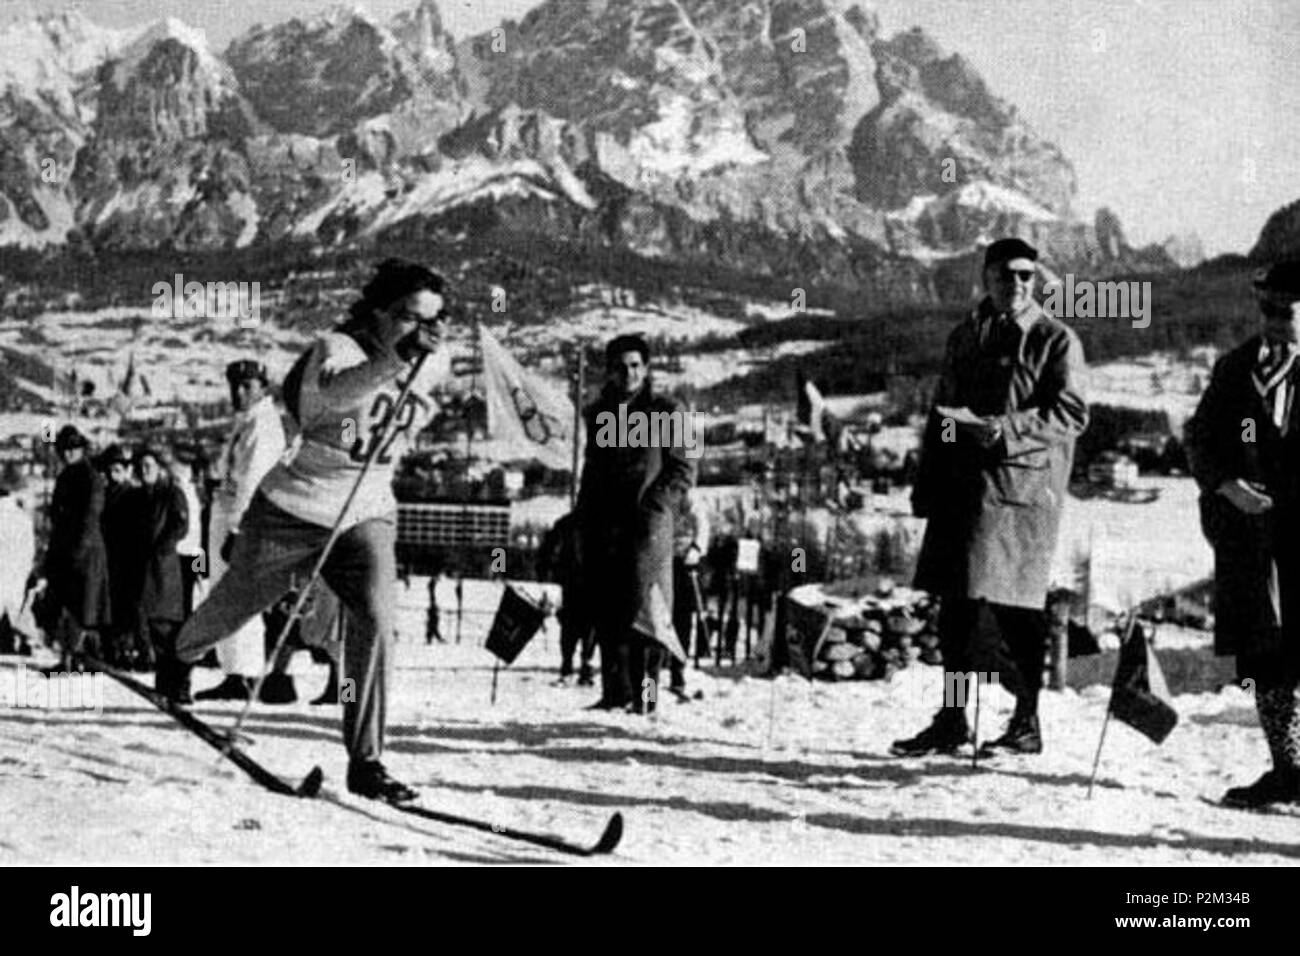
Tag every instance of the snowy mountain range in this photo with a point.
(779, 137)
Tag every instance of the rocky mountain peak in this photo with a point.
(763, 135)
(165, 85)
(939, 128)
(432, 49)
(421, 26)
(47, 59)
(323, 75)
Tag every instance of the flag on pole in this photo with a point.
(1139, 695)
(811, 407)
(817, 423)
(517, 619)
(129, 378)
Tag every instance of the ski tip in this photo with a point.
(310, 785)
(609, 839)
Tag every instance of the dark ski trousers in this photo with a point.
(273, 554)
(630, 664)
(576, 631)
(1004, 644)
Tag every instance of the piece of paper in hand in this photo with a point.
(962, 415)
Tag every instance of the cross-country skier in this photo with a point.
(342, 392)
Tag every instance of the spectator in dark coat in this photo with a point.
(76, 567)
(1243, 444)
(631, 486)
(163, 518)
(560, 560)
(995, 461)
(128, 646)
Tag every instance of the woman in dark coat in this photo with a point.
(127, 645)
(163, 518)
(76, 567)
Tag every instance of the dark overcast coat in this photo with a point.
(994, 514)
(1232, 435)
(76, 565)
(626, 506)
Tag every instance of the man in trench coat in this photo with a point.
(995, 462)
(631, 489)
(1243, 444)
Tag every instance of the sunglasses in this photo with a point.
(1024, 275)
(406, 315)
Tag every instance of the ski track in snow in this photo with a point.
(706, 782)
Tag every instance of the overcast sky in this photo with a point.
(1182, 115)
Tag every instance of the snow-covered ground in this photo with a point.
(1155, 382)
(755, 772)
(177, 358)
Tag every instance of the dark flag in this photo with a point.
(517, 619)
(1139, 696)
(813, 414)
(128, 380)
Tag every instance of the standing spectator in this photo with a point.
(630, 492)
(163, 520)
(1243, 444)
(16, 560)
(75, 569)
(995, 460)
(254, 445)
(328, 650)
(128, 646)
(189, 549)
(559, 559)
(690, 544)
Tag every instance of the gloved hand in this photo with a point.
(228, 547)
(426, 337)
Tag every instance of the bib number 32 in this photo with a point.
(381, 412)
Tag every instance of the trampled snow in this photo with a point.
(755, 772)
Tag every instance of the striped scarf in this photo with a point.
(1270, 377)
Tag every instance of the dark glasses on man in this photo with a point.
(1024, 275)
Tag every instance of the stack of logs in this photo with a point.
(866, 638)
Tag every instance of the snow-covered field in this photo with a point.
(1155, 382)
(755, 772)
(178, 358)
